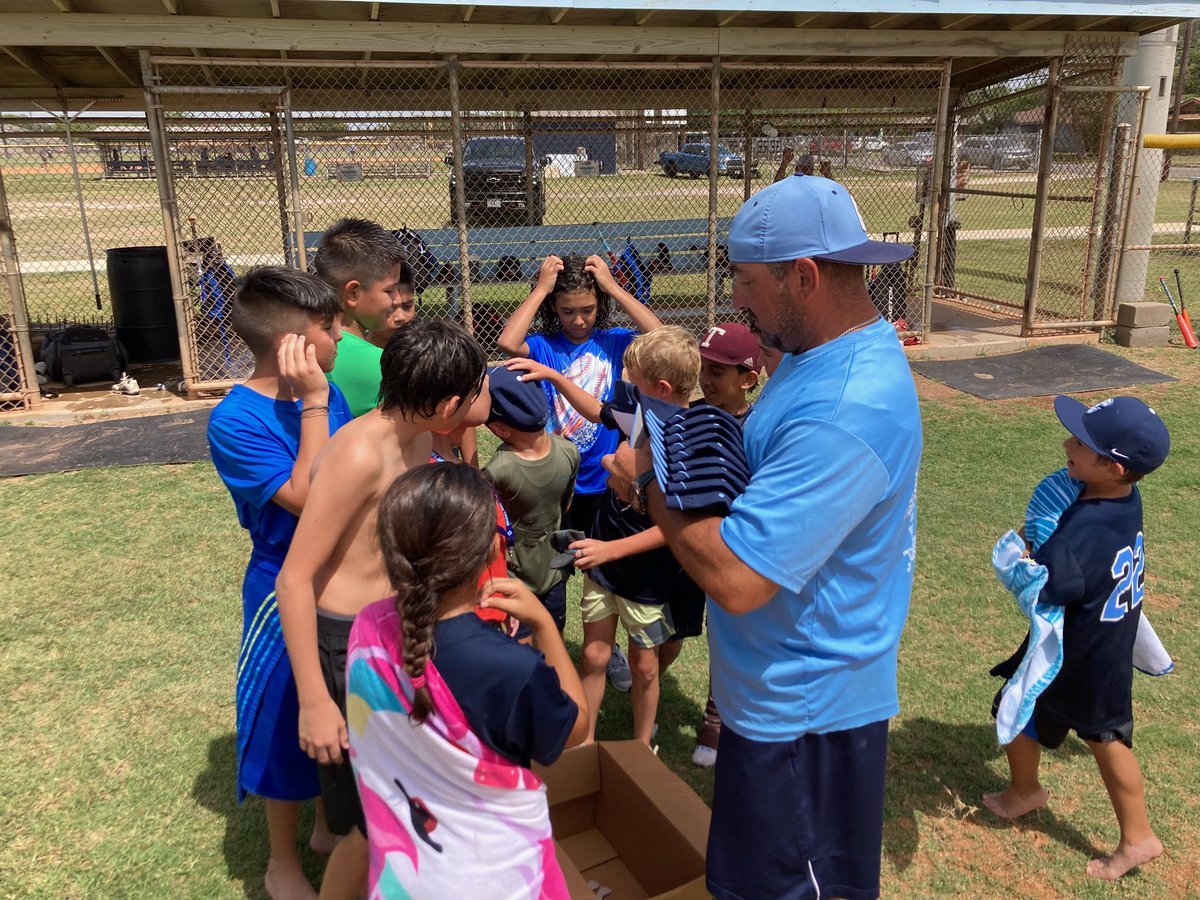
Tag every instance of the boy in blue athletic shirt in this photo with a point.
(264, 437)
(1096, 562)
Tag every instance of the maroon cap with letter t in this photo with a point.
(731, 344)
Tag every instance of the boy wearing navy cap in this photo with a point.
(1096, 564)
(534, 473)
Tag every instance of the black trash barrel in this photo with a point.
(139, 283)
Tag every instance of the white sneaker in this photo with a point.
(126, 385)
(618, 670)
(704, 757)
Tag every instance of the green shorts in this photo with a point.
(648, 624)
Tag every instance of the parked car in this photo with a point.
(494, 182)
(824, 146)
(871, 143)
(692, 159)
(996, 151)
(907, 153)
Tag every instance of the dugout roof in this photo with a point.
(78, 51)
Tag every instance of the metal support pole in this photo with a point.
(281, 192)
(1135, 152)
(170, 214)
(714, 125)
(1180, 78)
(1101, 293)
(294, 173)
(527, 137)
(453, 66)
(87, 234)
(941, 163)
(747, 155)
(1046, 161)
(1095, 219)
(30, 394)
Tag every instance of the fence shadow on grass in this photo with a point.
(940, 770)
(245, 846)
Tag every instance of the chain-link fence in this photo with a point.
(496, 168)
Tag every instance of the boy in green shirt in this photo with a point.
(533, 472)
(363, 263)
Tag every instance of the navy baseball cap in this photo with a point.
(1121, 428)
(518, 404)
(809, 217)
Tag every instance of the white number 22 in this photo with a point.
(1128, 568)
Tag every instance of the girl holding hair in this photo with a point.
(569, 309)
(446, 713)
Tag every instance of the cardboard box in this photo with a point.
(624, 820)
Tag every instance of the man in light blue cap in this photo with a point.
(809, 577)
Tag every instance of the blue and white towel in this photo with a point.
(1050, 499)
(1044, 655)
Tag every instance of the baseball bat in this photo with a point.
(1185, 328)
(1182, 303)
(616, 266)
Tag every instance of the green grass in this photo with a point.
(120, 617)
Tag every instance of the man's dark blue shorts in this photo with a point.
(798, 818)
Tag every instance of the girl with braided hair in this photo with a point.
(446, 712)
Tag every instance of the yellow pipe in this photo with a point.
(1171, 141)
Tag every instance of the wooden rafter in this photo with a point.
(373, 12)
(275, 13)
(955, 23)
(644, 17)
(881, 20)
(114, 58)
(172, 6)
(468, 11)
(208, 73)
(728, 19)
(802, 19)
(558, 14)
(35, 66)
(63, 5)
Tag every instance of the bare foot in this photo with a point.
(285, 880)
(323, 840)
(1124, 858)
(1009, 804)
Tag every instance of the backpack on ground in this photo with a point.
(83, 353)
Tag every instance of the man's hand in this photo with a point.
(625, 465)
(323, 734)
(298, 370)
(788, 155)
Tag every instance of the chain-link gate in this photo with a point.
(18, 381)
(1038, 192)
(495, 167)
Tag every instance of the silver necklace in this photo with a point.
(870, 321)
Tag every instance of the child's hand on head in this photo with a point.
(515, 598)
(548, 273)
(600, 271)
(534, 371)
(590, 553)
(323, 734)
(299, 370)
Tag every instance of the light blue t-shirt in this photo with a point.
(833, 444)
(594, 366)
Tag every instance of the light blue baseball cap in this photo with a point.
(806, 216)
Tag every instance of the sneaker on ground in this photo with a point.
(618, 670)
(704, 757)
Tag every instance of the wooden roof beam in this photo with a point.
(880, 21)
(63, 5)
(643, 17)
(955, 23)
(208, 73)
(1031, 23)
(35, 66)
(557, 15)
(803, 19)
(172, 6)
(275, 14)
(124, 69)
(373, 14)
(728, 19)
(468, 11)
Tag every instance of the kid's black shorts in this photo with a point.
(343, 810)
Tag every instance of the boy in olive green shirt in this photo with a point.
(364, 264)
(533, 472)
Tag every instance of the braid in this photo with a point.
(437, 525)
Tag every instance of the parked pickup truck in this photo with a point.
(693, 160)
(494, 183)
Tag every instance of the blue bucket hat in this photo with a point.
(809, 217)
(1120, 428)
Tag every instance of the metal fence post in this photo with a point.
(937, 197)
(294, 174)
(1102, 288)
(714, 124)
(1045, 163)
(281, 191)
(170, 214)
(29, 393)
(460, 193)
(87, 234)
